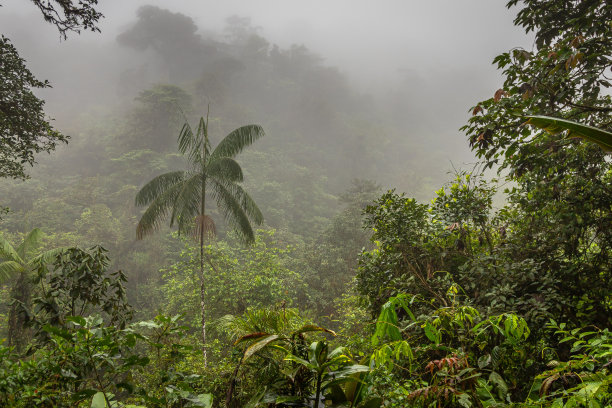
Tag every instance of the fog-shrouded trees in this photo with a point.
(24, 128)
(173, 36)
(212, 173)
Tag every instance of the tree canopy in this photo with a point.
(24, 127)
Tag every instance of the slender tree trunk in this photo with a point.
(20, 294)
(203, 305)
(202, 288)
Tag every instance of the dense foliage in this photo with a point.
(24, 127)
(496, 293)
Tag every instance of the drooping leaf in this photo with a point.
(255, 347)
(159, 185)
(574, 129)
(237, 140)
(7, 252)
(29, 242)
(312, 327)
(8, 269)
(251, 336)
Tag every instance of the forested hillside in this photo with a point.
(242, 226)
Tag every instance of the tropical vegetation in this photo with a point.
(486, 292)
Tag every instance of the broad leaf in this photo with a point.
(574, 129)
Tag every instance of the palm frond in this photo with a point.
(158, 186)
(187, 203)
(247, 204)
(8, 269)
(158, 209)
(225, 168)
(233, 211)
(186, 138)
(29, 242)
(237, 140)
(194, 145)
(7, 252)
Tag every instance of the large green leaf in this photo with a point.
(7, 252)
(574, 129)
(255, 347)
(29, 242)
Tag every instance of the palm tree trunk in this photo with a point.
(202, 304)
(202, 291)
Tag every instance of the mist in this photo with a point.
(419, 66)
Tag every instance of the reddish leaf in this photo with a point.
(499, 94)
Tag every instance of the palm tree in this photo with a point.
(18, 262)
(183, 194)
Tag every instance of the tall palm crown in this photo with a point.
(18, 261)
(182, 194)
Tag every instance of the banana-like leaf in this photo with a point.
(8, 269)
(301, 361)
(7, 252)
(574, 129)
(344, 375)
(29, 242)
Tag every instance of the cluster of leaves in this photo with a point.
(88, 361)
(24, 127)
(78, 284)
(294, 372)
(458, 357)
(420, 247)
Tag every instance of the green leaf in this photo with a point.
(255, 347)
(98, 401)
(312, 327)
(590, 133)
(200, 400)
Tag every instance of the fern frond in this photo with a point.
(158, 186)
(237, 140)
